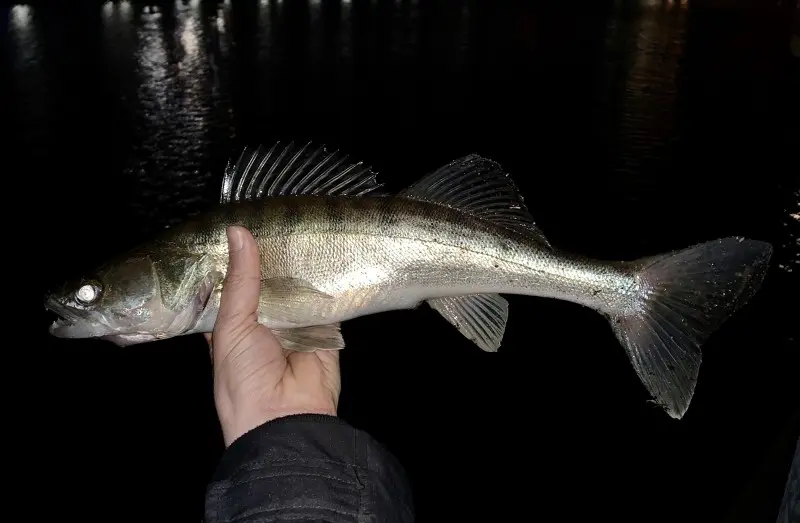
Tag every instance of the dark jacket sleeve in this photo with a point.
(308, 468)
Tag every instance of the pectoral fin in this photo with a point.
(309, 339)
(479, 317)
(297, 301)
(291, 299)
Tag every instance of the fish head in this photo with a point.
(136, 299)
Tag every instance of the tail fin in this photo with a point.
(684, 296)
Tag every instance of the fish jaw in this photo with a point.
(62, 328)
(71, 324)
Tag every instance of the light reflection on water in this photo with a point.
(221, 20)
(178, 96)
(791, 261)
(646, 106)
(345, 30)
(267, 12)
(24, 38)
(30, 78)
(405, 31)
(156, 86)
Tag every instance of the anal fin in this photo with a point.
(479, 317)
(309, 339)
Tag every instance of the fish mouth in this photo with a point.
(63, 316)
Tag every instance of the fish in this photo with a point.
(335, 245)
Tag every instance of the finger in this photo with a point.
(239, 299)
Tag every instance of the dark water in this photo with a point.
(632, 128)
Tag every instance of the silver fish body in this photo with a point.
(373, 254)
(334, 248)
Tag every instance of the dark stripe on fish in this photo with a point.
(333, 212)
(291, 217)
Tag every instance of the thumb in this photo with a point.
(239, 299)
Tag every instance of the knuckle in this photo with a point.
(237, 280)
(234, 280)
(229, 321)
(236, 335)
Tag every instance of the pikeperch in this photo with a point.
(333, 248)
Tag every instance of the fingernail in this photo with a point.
(235, 242)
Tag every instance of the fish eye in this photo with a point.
(87, 294)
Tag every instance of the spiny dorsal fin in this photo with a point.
(282, 171)
(479, 317)
(478, 186)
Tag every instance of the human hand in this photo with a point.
(255, 380)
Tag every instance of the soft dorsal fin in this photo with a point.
(287, 170)
(478, 186)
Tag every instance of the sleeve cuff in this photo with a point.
(309, 466)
